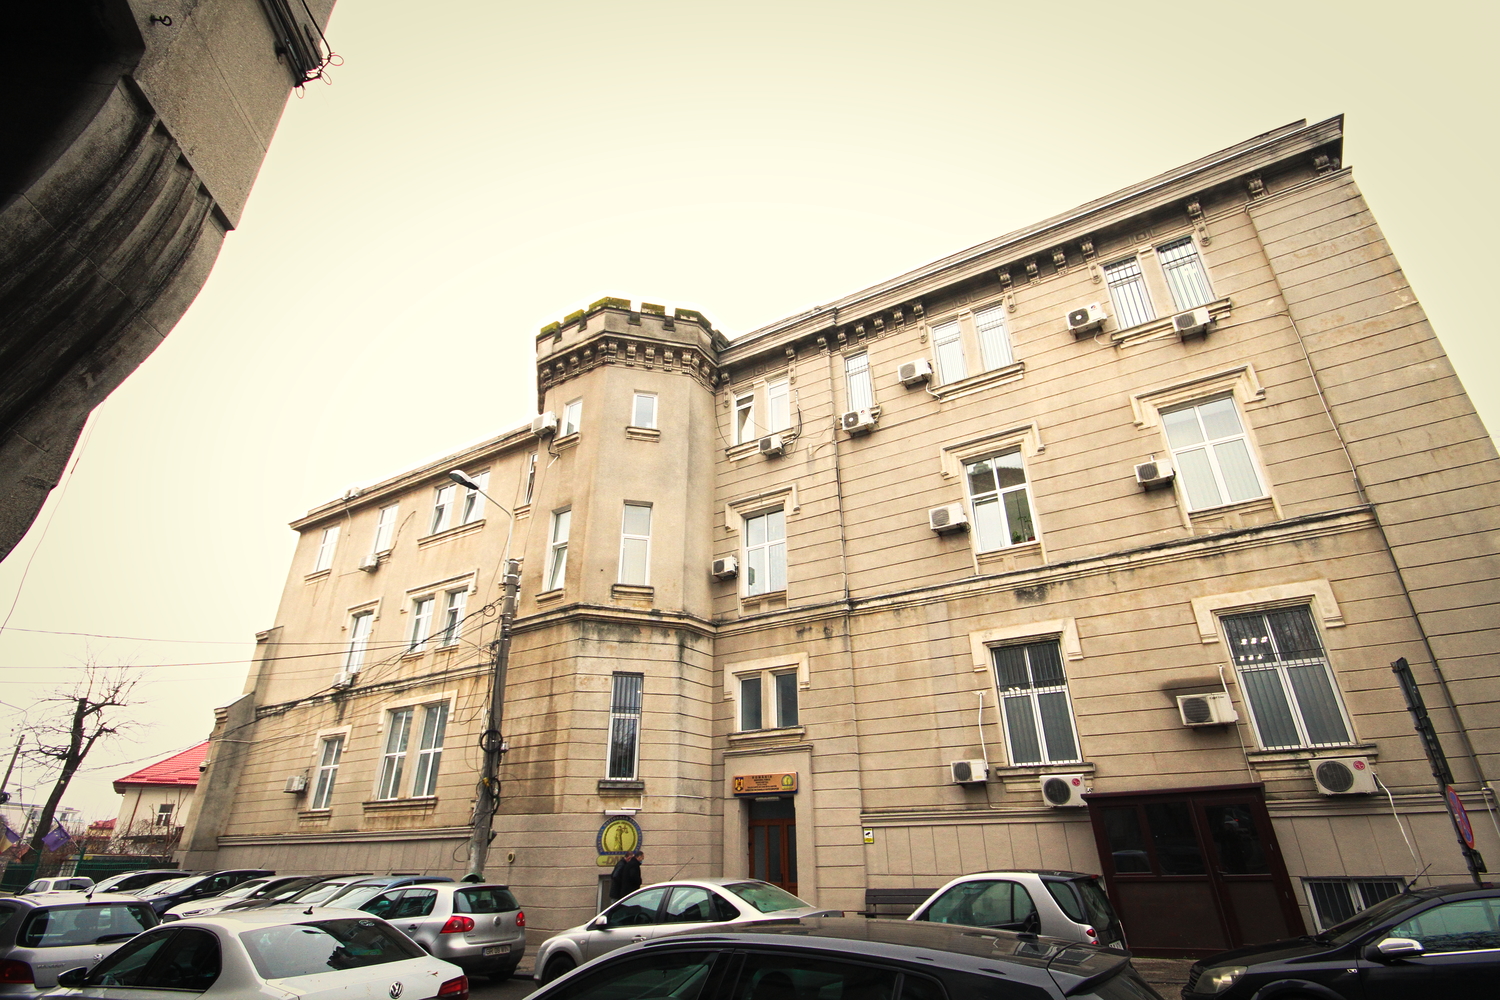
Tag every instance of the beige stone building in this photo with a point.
(1145, 498)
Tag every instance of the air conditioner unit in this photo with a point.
(1343, 775)
(772, 444)
(296, 783)
(724, 568)
(370, 563)
(858, 421)
(545, 424)
(969, 772)
(1157, 472)
(1213, 709)
(1062, 791)
(914, 371)
(948, 518)
(345, 679)
(1086, 319)
(1193, 321)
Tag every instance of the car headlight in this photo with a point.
(1219, 979)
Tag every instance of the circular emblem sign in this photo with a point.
(396, 990)
(617, 837)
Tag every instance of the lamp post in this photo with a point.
(491, 742)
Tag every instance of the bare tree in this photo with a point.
(70, 734)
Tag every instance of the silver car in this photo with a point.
(666, 908)
(479, 928)
(43, 935)
(1069, 905)
(72, 883)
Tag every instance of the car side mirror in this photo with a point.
(1393, 948)
(72, 978)
(167, 918)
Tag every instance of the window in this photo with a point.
(998, 497)
(557, 551)
(625, 725)
(744, 418)
(988, 903)
(1127, 291)
(1336, 900)
(393, 762)
(328, 770)
(164, 814)
(453, 616)
(1034, 699)
(994, 342)
(473, 502)
(778, 689)
(643, 412)
(765, 553)
(635, 544)
(1464, 925)
(359, 638)
(1211, 454)
(948, 351)
(572, 418)
(421, 621)
(442, 509)
(385, 528)
(430, 749)
(1286, 680)
(778, 405)
(530, 477)
(326, 545)
(857, 378)
(1186, 279)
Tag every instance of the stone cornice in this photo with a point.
(610, 347)
(650, 618)
(344, 837)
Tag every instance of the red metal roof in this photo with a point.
(180, 769)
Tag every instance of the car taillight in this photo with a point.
(12, 971)
(520, 918)
(455, 989)
(1093, 935)
(458, 925)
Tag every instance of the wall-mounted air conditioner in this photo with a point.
(914, 372)
(772, 444)
(344, 679)
(296, 783)
(1213, 709)
(1194, 321)
(1343, 775)
(950, 517)
(1157, 472)
(1063, 791)
(1086, 319)
(545, 424)
(969, 772)
(724, 568)
(858, 421)
(370, 563)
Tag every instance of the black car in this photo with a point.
(852, 958)
(186, 890)
(1440, 941)
(137, 882)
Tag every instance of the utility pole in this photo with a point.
(5, 782)
(492, 742)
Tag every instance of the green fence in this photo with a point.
(96, 866)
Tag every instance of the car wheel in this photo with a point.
(559, 965)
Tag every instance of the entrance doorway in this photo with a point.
(1194, 871)
(773, 841)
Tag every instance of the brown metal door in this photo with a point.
(1194, 871)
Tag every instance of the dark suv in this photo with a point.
(186, 890)
(1435, 942)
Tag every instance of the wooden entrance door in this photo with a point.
(773, 842)
(1194, 871)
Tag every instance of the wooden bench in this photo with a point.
(894, 902)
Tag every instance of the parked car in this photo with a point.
(134, 882)
(70, 883)
(255, 888)
(854, 957)
(480, 928)
(357, 894)
(1442, 941)
(42, 935)
(278, 951)
(663, 909)
(166, 895)
(284, 893)
(1069, 905)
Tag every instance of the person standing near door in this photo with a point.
(625, 877)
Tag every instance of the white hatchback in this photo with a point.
(277, 953)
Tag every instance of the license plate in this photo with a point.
(497, 949)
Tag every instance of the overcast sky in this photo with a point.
(478, 169)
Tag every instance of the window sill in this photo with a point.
(769, 601)
(564, 442)
(651, 434)
(1301, 755)
(768, 736)
(633, 592)
(1229, 516)
(447, 533)
(548, 596)
(318, 574)
(314, 815)
(1025, 555)
(1160, 328)
(421, 804)
(607, 785)
(746, 449)
(984, 380)
(1034, 771)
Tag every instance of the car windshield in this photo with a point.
(65, 926)
(171, 885)
(766, 898)
(318, 893)
(1362, 921)
(351, 896)
(243, 889)
(291, 950)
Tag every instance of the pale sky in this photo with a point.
(478, 169)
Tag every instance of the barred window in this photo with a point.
(857, 377)
(1186, 278)
(625, 725)
(1127, 291)
(1286, 679)
(1034, 699)
(1335, 900)
(994, 342)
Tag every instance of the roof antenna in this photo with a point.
(308, 912)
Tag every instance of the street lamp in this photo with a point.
(491, 742)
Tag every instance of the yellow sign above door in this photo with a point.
(780, 783)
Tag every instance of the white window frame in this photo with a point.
(1125, 280)
(393, 755)
(422, 609)
(326, 771)
(770, 546)
(779, 405)
(1210, 450)
(327, 544)
(648, 399)
(1031, 694)
(629, 540)
(442, 508)
(361, 624)
(1185, 273)
(429, 749)
(557, 549)
(997, 498)
(530, 479)
(164, 811)
(994, 337)
(948, 341)
(858, 385)
(1246, 662)
(385, 528)
(453, 616)
(744, 417)
(572, 419)
(627, 695)
(473, 500)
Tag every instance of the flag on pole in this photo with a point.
(8, 837)
(56, 839)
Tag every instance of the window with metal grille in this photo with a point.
(994, 342)
(1035, 705)
(999, 500)
(1335, 900)
(625, 725)
(1186, 278)
(857, 377)
(1127, 292)
(328, 771)
(1286, 679)
(1211, 452)
(430, 749)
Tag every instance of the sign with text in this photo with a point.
(780, 783)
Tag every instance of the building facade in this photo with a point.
(157, 800)
(1087, 548)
